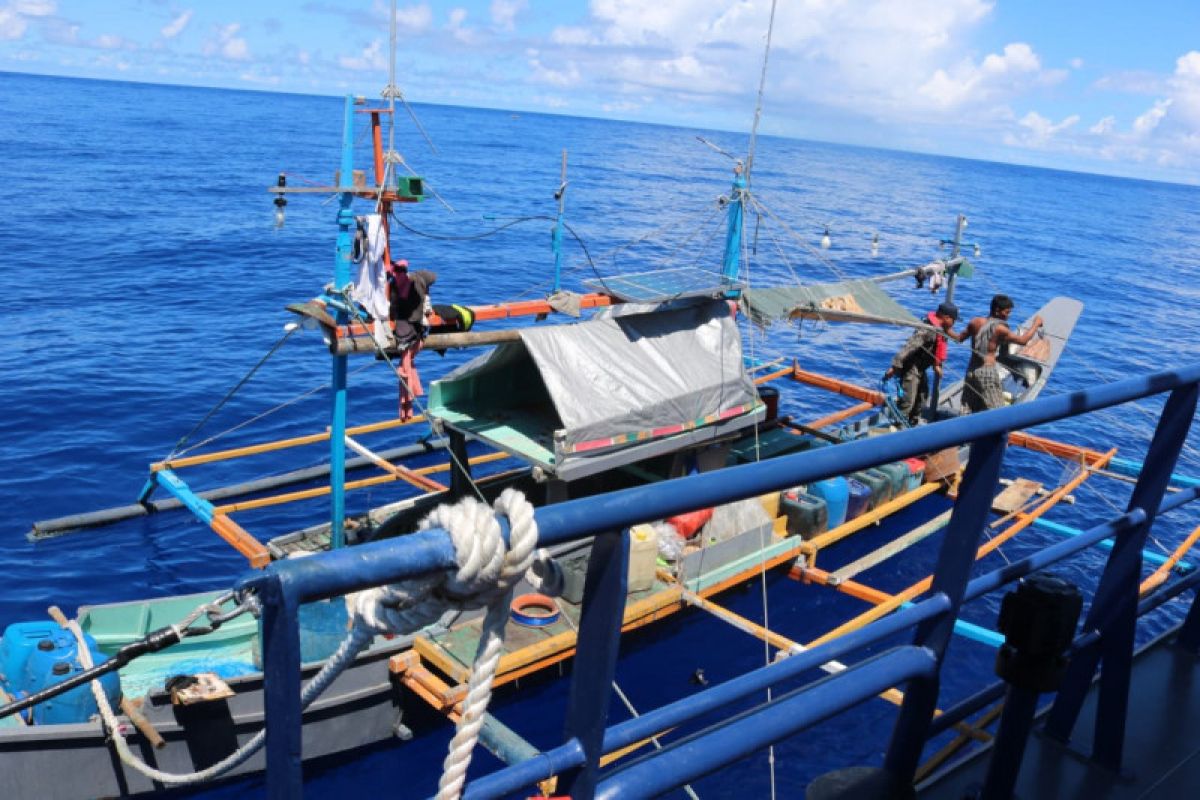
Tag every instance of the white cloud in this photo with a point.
(1104, 126)
(1147, 122)
(371, 58)
(455, 24)
(34, 8)
(16, 16)
(1076, 63)
(229, 44)
(12, 24)
(1185, 90)
(568, 75)
(414, 18)
(176, 26)
(998, 75)
(504, 12)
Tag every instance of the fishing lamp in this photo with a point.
(825, 242)
(280, 201)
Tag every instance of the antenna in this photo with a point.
(762, 83)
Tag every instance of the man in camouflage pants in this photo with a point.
(924, 349)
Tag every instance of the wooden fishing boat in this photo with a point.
(685, 401)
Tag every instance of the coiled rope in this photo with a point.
(487, 572)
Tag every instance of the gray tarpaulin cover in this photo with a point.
(628, 375)
(861, 297)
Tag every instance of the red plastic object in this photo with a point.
(914, 465)
(687, 524)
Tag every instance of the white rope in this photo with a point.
(486, 575)
(523, 538)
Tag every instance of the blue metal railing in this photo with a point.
(1107, 638)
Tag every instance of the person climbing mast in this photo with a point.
(408, 308)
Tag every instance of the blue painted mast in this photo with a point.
(736, 223)
(341, 279)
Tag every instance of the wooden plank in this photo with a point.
(814, 544)
(1015, 495)
(442, 653)
(242, 541)
(897, 545)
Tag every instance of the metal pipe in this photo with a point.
(730, 740)
(375, 563)
(751, 683)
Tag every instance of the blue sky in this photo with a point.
(1099, 86)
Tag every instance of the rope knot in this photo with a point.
(487, 568)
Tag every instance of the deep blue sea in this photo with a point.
(145, 279)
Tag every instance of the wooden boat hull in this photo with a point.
(360, 708)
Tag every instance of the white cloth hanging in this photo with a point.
(370, 285)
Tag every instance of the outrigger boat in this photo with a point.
(651, 388)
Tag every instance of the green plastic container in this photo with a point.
(897, 473)
(879, 484)
(807, 515)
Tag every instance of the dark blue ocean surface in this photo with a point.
(145, 279)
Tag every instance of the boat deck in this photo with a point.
(1162, 743)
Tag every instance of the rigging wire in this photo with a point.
(176, 450)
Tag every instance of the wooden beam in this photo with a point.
(319, 491)
(401, 472)
(281, 444)
(838, 416)
(1050, 447)
(837, 386)
(241, 540)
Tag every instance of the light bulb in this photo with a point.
(825, 242)
(279, 216)
(874, 245)
(977, 251)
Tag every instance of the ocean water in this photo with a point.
(145, 280)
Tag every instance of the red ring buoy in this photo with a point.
(534, 610)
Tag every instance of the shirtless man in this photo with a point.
(982, 389)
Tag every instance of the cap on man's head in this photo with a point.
(400, 263)
(948, 309)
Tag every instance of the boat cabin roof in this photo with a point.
(632, 382)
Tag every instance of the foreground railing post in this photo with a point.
(1114, 609)
(595, 665)
(281, 682)
(950, 578)
(1189, 633)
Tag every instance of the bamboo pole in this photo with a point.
(280, 444)
(838, 416)
(400, 471)
(1159, 576)
(320, 491)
